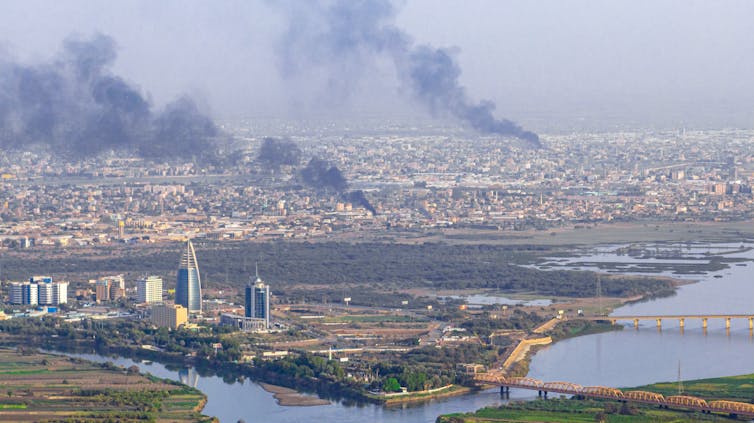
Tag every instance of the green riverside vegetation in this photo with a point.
(734, 388)
(49, 388)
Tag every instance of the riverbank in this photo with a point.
(421, 396)
(47, 387)
(602, 233)
(733, 388)
(290, 397)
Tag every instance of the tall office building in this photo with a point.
(23, 293)
(59, 293)
(39, 290)
(45, 293)
(149, 290)
(188, 288)
(258, 301)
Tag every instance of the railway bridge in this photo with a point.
(682, 402)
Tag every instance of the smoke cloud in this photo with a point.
(77, 107)
(276, 152)
(319, 174)
(357, 197)
(344, 37)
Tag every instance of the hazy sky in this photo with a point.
(549, 63)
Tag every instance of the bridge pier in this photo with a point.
(727, 323)
(681, 322)
(704, 323)
(751, 323)
(659, 323)
(505, 391)
(636, 323)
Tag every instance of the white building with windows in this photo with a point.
(149, 290)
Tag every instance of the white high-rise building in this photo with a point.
(45, 293)
(38, 291)
(59, 293)
(149, 290)
(23, 293)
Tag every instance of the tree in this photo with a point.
(391, 385)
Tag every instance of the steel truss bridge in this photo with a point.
(683, 402)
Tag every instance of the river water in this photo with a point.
(618, 359)
(635, 357)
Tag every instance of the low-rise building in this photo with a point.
(169, 315)
(246, 324)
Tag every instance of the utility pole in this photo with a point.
(599, 294)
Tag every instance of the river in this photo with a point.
(636, 357)
(618, 359)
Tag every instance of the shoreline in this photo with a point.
(292, 398)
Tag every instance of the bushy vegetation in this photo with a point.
(372, 266)
(483, 325)
(576, 411)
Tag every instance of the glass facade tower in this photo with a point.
(188, 288)
(257, 301)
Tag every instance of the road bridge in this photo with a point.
(681, 318)
(681, 402)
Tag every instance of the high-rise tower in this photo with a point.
(258, 301)
(188, 288)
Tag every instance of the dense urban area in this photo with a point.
(301, 260)
(405, 183)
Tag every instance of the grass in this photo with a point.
(574, 411)
(44, 387)
(734, 388)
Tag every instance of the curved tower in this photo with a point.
(188, 288)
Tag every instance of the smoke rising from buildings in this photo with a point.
(345, 37)
(278, 152)
(357, 197)
(76, 106)
(319, 174)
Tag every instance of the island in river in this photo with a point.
(44, 387)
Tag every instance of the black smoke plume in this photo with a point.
(276, 152)
(77, 107)
(343, 37)
(357, 197)
(319, 174)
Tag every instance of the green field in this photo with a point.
(734, 388)
(48, 388)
